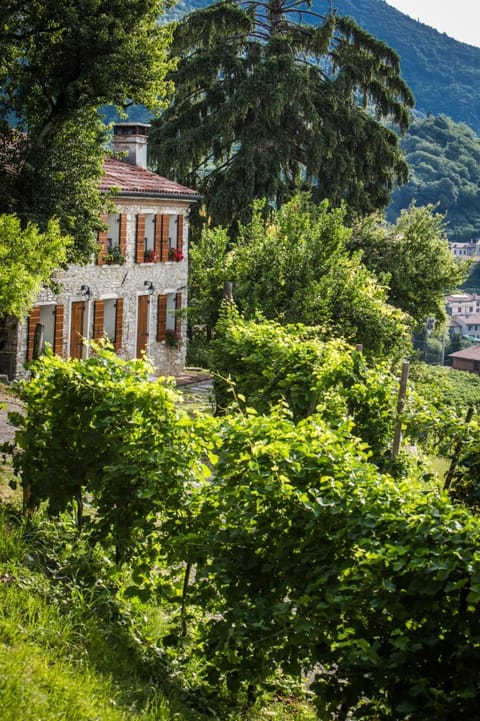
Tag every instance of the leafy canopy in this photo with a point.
(101, 427)
(59, 63)
(306, 556)
(27, 259)
(265, 103)
(260, 364)
(296, 267)
(412, 259)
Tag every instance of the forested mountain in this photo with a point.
(444, 162)
(443, 74)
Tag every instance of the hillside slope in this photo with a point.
(444, 74)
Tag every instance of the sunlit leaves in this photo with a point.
(100, 428)
(28, 257)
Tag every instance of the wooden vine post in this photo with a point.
(228, 291)
(400, 406)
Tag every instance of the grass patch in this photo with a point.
(73, 649)
(439, 466)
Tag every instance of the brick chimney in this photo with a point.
(131, 138)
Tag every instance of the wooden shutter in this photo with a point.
(143, 302)
(164, 237)
(58, 331)
(117, 343)
(180, 232)
(178, 318)
(140, 240)
(33, 319)
(77, 316)
(157, 236)
(122, 237)
(98, 319)
(102, 241)
(162, 317)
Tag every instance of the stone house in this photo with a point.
(134, 290)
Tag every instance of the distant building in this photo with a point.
(462, 304)
(469, 326)
(467, 359)
(465, 250)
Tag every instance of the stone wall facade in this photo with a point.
(128, 282)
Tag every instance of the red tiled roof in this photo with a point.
(472, 353)
(133, 180)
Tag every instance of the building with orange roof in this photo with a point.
(134, 291)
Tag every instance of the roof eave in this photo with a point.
(158, 195)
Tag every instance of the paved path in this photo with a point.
(8, 402)
(193, 377)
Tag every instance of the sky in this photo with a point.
(458, 18)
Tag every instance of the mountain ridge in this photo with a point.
(443, 73)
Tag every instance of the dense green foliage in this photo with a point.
(444, 76)
(306, 557)
(74, 647)
(27, 259)
(443, 73)
(444, 161)
(59, 63)
(265, 104)
(296, 267)
(130, 451)
(412, 259)
(260, 364)
(446, 388)
(322, 564)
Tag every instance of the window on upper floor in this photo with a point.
(149, 232)
(113, 233)
(172, 231)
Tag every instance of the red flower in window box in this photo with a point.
(175, 254)
(150, 256)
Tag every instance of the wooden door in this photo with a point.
(142, 324)
(77, 324)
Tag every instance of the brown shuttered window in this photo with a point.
(180, 232)
(102, 241)
(162, 317)
(140, 240)
(117, 343)
(164, 237)
(98, 319)
(58, 332)
(123, 234)
(178, 307)
(157, 237)
(77, 322)
(33, 319)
